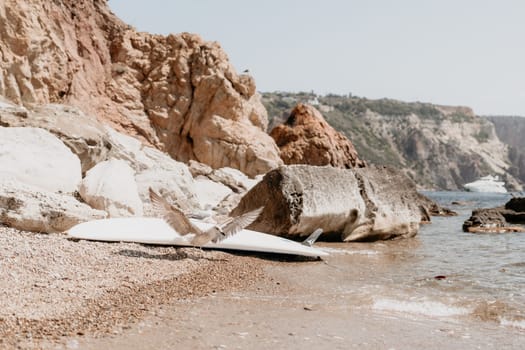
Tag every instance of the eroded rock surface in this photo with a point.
(306, 138)
(177, 92)
(507, 218)
(354, 204)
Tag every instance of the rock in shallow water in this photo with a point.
(354, 204)
(497, 220)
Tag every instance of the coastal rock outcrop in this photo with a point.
(110, 186)
(359, 204)
(306, 138)
(176, 92)
(200, 108)
(210, 193)
(507, 218)
(35, 157)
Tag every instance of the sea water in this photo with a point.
(442, 272)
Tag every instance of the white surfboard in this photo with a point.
(157, 231)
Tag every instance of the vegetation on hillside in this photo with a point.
(408, 135)
(346, 114)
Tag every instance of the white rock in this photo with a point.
(168, 175)
(210, 193)
(5, 105)
(111, 186)
(236, 177)
(36, 157)
(155, 169)
(32, 209)
(129, 149)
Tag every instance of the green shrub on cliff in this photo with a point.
(482, 136)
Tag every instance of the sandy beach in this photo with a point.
(61, 294)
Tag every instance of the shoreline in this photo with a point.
(152, 297)
(294, 308)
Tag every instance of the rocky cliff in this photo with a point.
(439, 147)
(177, 92)
(306, 138)
(510, 131)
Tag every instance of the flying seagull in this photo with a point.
(180, 223)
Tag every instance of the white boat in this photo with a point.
(157, 231)
(486, 184)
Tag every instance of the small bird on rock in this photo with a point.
(180, 223)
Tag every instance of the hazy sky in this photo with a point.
(456, 52)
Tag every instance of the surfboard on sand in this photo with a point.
(157, 231)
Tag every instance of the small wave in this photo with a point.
(425, 307)
(512, 323)
(349, 252)
(518, 264)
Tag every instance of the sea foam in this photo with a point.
(423, 307)
(512, 323)
(349, 251)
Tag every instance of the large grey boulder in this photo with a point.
(31, 208)
(35, 157)
(111, 186)
(352, 204)
(83, 134)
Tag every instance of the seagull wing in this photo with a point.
(210, 235)
(235, 225)
(173, 216)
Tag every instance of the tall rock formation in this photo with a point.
(306, 138)
(177, 92)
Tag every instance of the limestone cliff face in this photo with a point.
(511, 131)
(306, 138)
(439, 147)
(177, 92)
